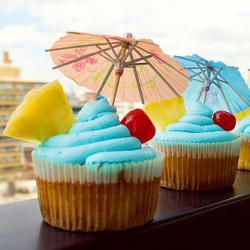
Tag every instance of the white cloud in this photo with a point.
(22, 35)
(216, 30)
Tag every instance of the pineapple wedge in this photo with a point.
(44, 113)
(239, 116)
(165, 112)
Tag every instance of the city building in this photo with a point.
(12, 91)
(124, 107)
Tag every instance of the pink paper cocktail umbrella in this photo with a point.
(133, 70)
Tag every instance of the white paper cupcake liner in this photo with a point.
(199, 166)
(198, 150)
(98, 198)
(141, 171)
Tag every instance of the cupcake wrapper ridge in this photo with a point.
(141, 171)
(199, 167)
(198, 150)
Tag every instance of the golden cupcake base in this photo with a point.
(97, 198)
(91, 207)
(198, 167)
(204, 174)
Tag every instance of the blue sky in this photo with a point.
(215, 30)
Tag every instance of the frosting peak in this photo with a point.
(196, 126)
(200, 109)
(91, 110)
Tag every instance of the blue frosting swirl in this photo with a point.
(196, 126)
(97, 138)
(243, 126)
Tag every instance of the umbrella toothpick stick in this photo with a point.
(204, 96)
(206, 87)
(120, 67)
(118, 74)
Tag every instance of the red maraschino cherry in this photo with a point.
(225, 120)
(139, 125)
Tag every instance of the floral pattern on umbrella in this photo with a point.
(79, 65)
(149, 75)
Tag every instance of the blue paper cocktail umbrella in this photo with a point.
(219, 86)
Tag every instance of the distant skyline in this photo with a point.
(216, 30)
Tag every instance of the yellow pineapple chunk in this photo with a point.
(239, 116)
(44, 113)
(165, 112)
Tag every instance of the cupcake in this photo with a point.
(200, 156)
(97, 177)
(243, 129)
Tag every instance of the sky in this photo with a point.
(217, 30)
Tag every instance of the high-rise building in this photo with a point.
(124, 107)
(12, 91)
